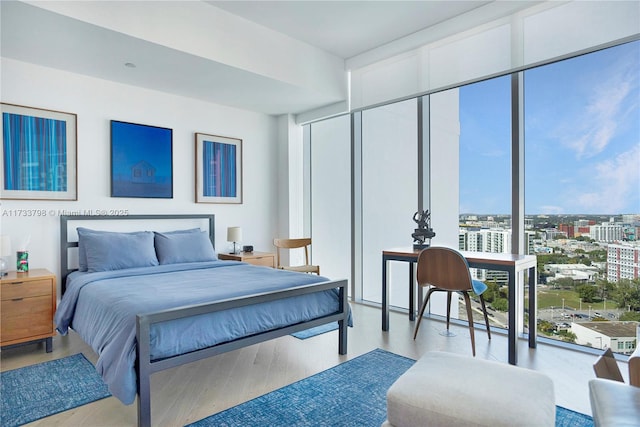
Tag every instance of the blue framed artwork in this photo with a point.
(39, 160)
(141, 160)
(218, 169)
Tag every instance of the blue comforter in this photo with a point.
(101, 307)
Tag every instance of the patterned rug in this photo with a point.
(37, 391)
(318, 330)
(352, 394)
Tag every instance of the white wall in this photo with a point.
(96, 102)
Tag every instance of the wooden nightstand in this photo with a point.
(28, 304)
(267, 259)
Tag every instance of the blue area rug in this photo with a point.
(318, 330)
(348, 395)
(37, 391)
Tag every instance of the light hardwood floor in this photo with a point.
(192, 392)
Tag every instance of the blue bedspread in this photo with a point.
(101, 307)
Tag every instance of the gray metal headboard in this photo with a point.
(65, 244)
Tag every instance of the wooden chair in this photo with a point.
(446, 270)
(295, 244)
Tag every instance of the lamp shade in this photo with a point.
(234, 234)
(5, 245)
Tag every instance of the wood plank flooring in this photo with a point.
(192, 392)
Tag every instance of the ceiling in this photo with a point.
(348, 28)
(344, 29)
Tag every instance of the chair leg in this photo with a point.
(424, 305)
(448, 309)
(486, 318)
(467, 302)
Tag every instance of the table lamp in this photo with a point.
(234, 234)
(5, 253)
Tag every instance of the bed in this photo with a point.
(147, 301)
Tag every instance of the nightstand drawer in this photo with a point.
(267, 260)
(25, 289)
(25, 318)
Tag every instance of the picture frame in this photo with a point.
(141, 160)
(39, 154)
(218, 169)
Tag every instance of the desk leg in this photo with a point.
(533, 314)
(385, 296)
(513, 336)
(412, 294)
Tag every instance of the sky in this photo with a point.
(582, 137)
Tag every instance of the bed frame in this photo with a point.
(145, 366)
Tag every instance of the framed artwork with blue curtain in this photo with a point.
(39, 160)
(141, 160)
(218, 169)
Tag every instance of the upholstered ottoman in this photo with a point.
(446, 389)
(614, 404)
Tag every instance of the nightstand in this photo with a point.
(267, 259)
(28, 304)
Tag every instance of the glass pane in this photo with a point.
(331, 196)
(389, 194)
(582, 133)
(485, 187)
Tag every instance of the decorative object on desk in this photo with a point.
(22, 261)
(247, 248)
(5, 253)
(234, 234)
(141, 161)
(47, 139)
(423, 234)
(218, 169)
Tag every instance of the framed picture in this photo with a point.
(141, 161)
(39, 154)
(218, 169)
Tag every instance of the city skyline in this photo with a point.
(582, 138)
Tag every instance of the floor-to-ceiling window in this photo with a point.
(582, 139)
(389, 193)
(582, 194)
(329, 144)
(485, 183)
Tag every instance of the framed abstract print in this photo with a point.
(39, 154)
(218, 169)
(141, 161)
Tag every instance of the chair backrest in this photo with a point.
(444, 268)
(292, 244)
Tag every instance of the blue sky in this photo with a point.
(582, 137)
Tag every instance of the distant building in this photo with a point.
(578, 272)
(620, 337)
(623, 261)
(607, 232)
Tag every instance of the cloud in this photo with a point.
(616, 187)
(596, 125)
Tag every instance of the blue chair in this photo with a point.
(446, 270)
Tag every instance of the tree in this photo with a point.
(587, 292)
(626, 293)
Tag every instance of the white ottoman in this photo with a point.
(447, 389)
(614, 404)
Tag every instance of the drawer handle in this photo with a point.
(17, 299)
(17, 283)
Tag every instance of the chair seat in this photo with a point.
(478, 287)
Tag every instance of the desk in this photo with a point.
(512, 264)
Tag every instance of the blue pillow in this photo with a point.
(115, 251)
(172, 248)
(82, 253)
